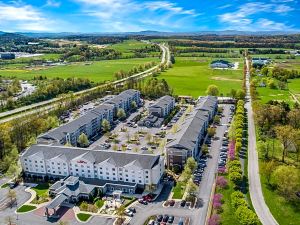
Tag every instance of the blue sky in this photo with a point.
(138, 15)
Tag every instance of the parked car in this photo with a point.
(159, 218)
(142, 201)
(128, 213)
(171, 219)
(165, 218)
(151, 222)
(171, 202)
(182, 203)
(132, 209)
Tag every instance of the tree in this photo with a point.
(233, 93)
(121, 212)
(217, 119)
(246, 216)
(235, 177)
(240, 94)
(211, 131)
(268, 168)
(204, 150)
(105, 125)
(286, 134)
(148, 137)
(133, 105)
(191, 164)
(83, 140)
(12, 196)
(121, 114)
(294, 118)
(191, 188)
(212, 90)
(286, 179)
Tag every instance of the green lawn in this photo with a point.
(26, 208)
(192, 75)
(99, 203)
(41, 189)
(97, 71)
(128, 46)
(266, 94)
(83, 216)
(284, 212)
(178, 191)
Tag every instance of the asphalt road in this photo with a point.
(51, 104)
(256, 194)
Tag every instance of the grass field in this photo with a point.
(191, 76)
(41, 189)
(97, 71)
(26, 208)
(178, 191)
(83, 216)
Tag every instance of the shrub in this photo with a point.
(221, 182)
(235, 177)
(215, 219)
(246, 216)
(231, 151)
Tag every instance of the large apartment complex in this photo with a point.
(187, 140)
(90, 123)
(162, 107)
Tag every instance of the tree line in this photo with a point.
(48, 89)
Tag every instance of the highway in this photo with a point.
(255, 189)
(50, 104)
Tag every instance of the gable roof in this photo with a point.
(120, 159)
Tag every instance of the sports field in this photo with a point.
(192, 75)
(95, 71)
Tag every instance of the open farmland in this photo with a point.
(95, 71)
(191, 76)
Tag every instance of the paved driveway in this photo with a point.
(197, 215)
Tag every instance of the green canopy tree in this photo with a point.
(83, 140)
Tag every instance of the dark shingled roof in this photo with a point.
(120, 159)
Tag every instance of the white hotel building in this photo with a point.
(108, 170)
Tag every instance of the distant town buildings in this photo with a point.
(260, 61)
(8, 56)
(221, 64)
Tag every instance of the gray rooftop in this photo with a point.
(187, 135)
(119, 159)
(162, 102)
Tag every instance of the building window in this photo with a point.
(113, 169)
(25, 160)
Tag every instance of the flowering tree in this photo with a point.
(221, 182)
(231, 150)
(222, 170)
(217, 201)
(215, 219)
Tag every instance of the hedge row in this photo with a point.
(244, 215)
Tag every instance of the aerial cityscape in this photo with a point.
(149, 112)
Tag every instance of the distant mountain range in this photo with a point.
(150, 33)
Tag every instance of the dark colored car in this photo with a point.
(165, 218)
(171, 202)
(171, 219)
(132, 209)
(159, 218)
(182, 203)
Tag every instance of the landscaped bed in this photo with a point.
(178, 191)
(26, 208)
(83, 216)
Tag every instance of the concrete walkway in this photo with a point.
(255, 189)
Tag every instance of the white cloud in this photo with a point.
(52, 3)
(245, 18)
(132, 15)
(17, 16)
(269, 25)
